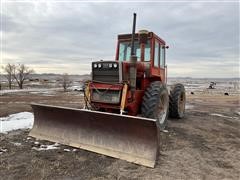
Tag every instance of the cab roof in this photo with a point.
(127, 37)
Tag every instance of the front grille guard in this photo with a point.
(88, 93)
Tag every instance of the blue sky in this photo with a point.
(64, 37)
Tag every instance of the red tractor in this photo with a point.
(126, 104)
(135, 83)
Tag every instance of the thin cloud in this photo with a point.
(71, 35)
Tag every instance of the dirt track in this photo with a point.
(204, 145)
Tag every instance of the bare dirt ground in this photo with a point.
(204, 145)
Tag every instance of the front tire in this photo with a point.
(177, 101)
(155, 103)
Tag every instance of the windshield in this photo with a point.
(125, 51)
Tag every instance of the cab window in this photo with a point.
(147, 51)
(125, 51)
(162, 56)
(156, 55)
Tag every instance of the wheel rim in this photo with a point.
(181, 103)
(162, 108)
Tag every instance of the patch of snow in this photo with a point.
(238, 113)
(166, 131)
(36, 143)
(16, 102)
(3, 150)
(35, 83)
(47, 147)
(28, 138)
(48, 95)
(17, 144)
(31, 90)
(220, 115)
(74, 150)
(189, 106)
(67, 150)
(34, 92)
(22, 120)
(76, 88)
(44, 93)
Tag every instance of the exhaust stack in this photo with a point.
(133, 58)
(133, 34)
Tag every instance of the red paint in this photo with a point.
(105, 86)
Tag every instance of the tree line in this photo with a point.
(18, 73)
(21, 72)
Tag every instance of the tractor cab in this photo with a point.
(149, 49)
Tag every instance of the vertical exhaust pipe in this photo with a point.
(133, 58)
(133, 34)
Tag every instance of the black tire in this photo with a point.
(155, 103)
(177, 101)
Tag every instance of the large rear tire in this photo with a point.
(155, 103)
(177, 101)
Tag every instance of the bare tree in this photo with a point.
(9, 69)
(66, 82)
(21, 73)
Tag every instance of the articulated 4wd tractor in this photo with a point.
(127, 103)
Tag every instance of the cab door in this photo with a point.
(156, 58)
(158, 63)
(162, 61)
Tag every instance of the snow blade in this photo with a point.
(134, 139)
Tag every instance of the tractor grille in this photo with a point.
(106, 96)
(107, 71)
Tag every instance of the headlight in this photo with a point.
(95, 65)
(110, 65)
(115, 65)
(99, 65)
